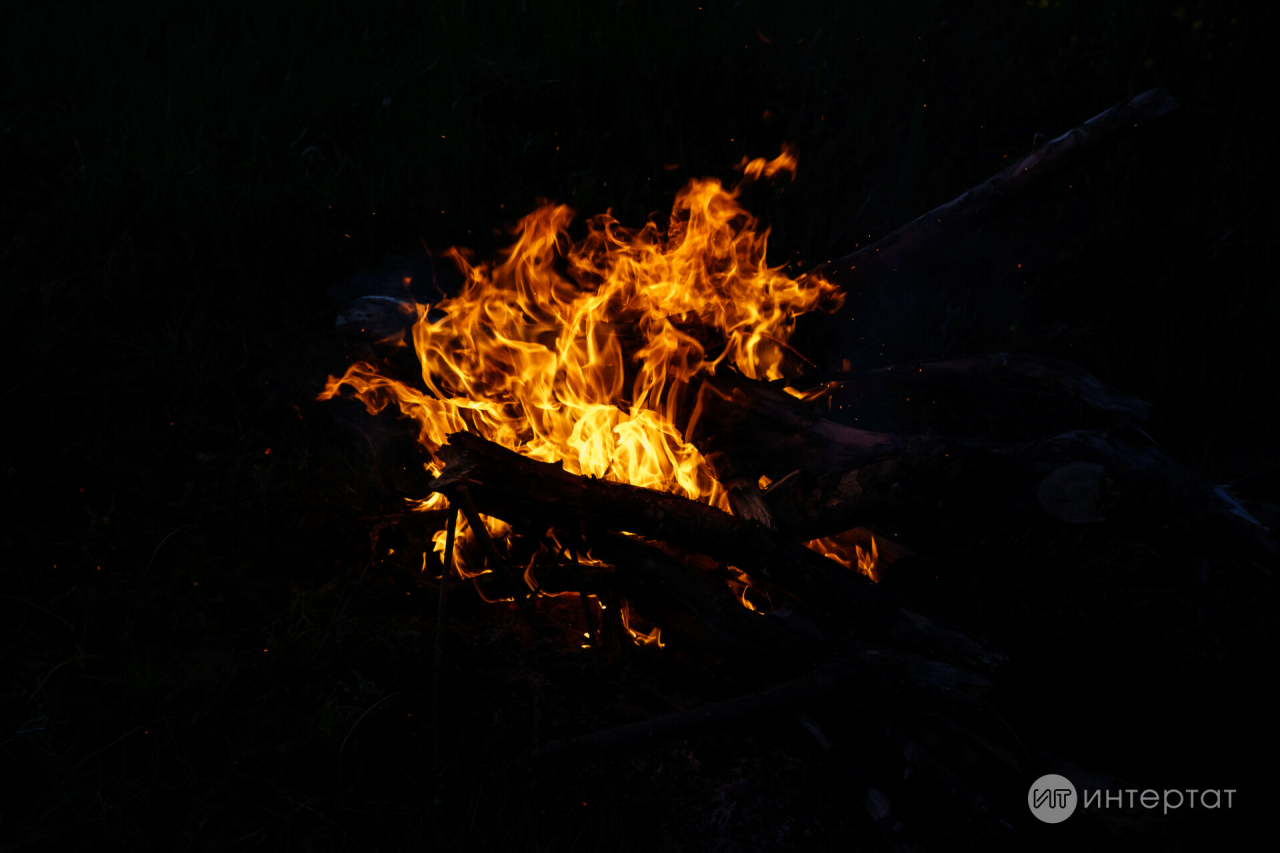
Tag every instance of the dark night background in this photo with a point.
(192, 618)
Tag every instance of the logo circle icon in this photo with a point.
(1052, 798)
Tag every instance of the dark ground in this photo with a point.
(201, 649)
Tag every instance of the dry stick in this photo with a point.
(450, 533)
(963, 213)
(490, 549)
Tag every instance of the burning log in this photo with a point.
(462, 495)
(710, 601)
(536, 495)
(1013, 183)
(749, 428)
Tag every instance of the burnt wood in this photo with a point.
(532, 495)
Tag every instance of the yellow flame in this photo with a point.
(433, 501)
(740, 584)
(584, 353)
(849, 554)
(465, 560)
(653, 638)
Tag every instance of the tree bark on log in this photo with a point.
(536, 495)
(830, 477)
(748, 428)
(709, 600)
(964, 212)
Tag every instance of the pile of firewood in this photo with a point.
(1015, 434)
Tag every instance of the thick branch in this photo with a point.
(963, 213)
(705, 597)
(529, 494)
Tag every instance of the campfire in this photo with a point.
(599, 356)
(623, 421)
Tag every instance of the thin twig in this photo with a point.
(362, 716)
(147, 568)
(487, 545)
(45, 610)
(1260, 474)
(964, 212)
(58, 667)
(76, 766)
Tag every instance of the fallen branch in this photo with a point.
(999, 396)
(964, 212)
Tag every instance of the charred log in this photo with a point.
(531, 494)
(710, 601)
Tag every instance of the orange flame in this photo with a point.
(848, 554)
(653, 638)
(582, 353)
(740, 584)
(468, 562)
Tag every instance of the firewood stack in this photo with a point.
(1014, 434)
